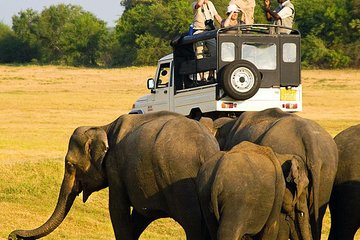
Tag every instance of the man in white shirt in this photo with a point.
(204, 10)
(283, 15)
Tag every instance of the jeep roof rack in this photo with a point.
(241, 29)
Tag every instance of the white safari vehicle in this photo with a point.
(255, 68)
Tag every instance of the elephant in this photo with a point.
(288, 133)
(243, 191)
(149, 162)
(345, 198)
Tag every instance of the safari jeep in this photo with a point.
(256, 68)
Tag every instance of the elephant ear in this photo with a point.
(98, 146)
(298, 175)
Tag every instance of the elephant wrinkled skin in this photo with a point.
(345, 198)
(287, 133)
(242, 192)
(149, 162)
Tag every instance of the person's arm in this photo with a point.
(268, 12)
(271, 14)
(226, 22)
(218, 18)
(216, 15)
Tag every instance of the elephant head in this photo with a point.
(295, 198)
(83, 173)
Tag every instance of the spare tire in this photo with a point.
(240, 79)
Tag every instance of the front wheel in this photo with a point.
(240, 80)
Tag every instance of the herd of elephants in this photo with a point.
(264, 175)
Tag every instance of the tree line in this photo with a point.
(68, 35)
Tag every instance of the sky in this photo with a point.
(107, 10)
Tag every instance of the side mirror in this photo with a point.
(151, 83)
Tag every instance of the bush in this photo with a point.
(316, 54)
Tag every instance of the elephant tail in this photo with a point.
(214, 201)
(313, 164)
(215, 187)
(314, 196)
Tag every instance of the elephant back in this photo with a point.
(251, 126)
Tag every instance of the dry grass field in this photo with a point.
(41, 106)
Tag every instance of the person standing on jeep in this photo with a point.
(204, 16)
(232, 19)
(283, 15)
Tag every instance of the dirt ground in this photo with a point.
(40, 106)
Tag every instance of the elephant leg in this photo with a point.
(140, 222)
(342, 230)
(120, 216)
(186, 210)
(234, 224)
(345, 211)
(230, 230)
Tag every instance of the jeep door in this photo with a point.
(161, 94)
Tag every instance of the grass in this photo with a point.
(41, 106)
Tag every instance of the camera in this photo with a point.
(209, 24)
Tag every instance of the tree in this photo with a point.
(51, 29)
(63, 34)
(328, 28)
(84, 40)
(26, 35)
(6, 39)
(145, 31)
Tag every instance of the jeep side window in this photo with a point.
(289, 52)
(227, 52)
(163, 78)
(262, 55)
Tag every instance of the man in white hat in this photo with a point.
(247, 7)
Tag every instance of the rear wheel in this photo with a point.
(241, 80)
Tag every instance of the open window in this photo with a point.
(164, 75)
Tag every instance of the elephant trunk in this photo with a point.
(303, 218)
(66, 198)
(304, 226)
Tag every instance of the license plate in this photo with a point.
(287, 94)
